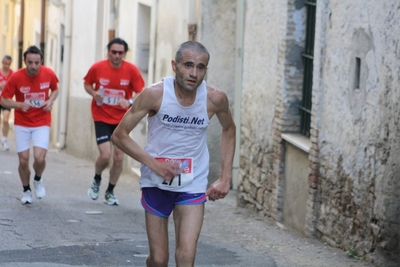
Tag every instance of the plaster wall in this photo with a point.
(217, 34)
(354, 195)
(265, 49)
(359, 126)
(80, 138)
(126, 17)
(88, 43)
(171, 30)
(296, 188)
(54, 20)
(263, 38)
(7, 27)
(32, 23)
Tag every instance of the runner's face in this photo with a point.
(190, 70)
(116, 54)
(33, 63)
(6, 63)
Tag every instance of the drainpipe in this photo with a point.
(64, 93)
(21, 35)
(238, 87)
(42, 28)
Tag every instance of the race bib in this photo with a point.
(112, 96)
(182, 179)
(36, 99)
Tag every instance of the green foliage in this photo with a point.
(352, 253)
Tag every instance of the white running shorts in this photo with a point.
(40, 137)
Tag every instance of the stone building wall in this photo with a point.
(272, 78)
(354, 189)
(260, 69)
(217, 33)
(358, 127)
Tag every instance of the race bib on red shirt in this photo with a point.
(112, 96)
(36, 99)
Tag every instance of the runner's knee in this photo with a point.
(157, 261)
(104, 156)
(24, 162)
(118, 158)
(40, 160)
(185, 256)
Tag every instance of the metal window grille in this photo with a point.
(308, 57)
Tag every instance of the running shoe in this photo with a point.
(27, 197)
(93, 191)
(5, 146)
(110, 199)
(39, 189)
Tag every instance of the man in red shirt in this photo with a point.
(5, 73)
(35, 89)
(113, 83)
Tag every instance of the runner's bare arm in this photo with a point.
(126, 103)
(2, 84)
(49, 103)
(95, 94)
(10, 103)
(218, 104)
(147, 103)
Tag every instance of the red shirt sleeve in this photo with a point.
(9, 89)
(90, 77)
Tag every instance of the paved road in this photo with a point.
(66, 228)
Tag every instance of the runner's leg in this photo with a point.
(6, 125)
(22, 140)
(157, 234)
(116, 168)
(188, 222)
(103, 158)
(40, 140)
(39, 163)
(23, 167)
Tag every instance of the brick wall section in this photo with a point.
(353, 198)
(256, 185)
(261, 182)
(313, 181)
(356, 131)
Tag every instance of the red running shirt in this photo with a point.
(4, 78)
(118, 83)
(35, 90)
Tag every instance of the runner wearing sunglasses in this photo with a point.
(119, 82)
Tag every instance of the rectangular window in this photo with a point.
(357, 73)
(308, 57)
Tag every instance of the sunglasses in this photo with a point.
(114, 52)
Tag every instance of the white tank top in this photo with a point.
(178, 132)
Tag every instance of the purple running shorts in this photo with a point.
(161, 202)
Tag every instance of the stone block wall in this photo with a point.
(354, 186)
(270, 103)
(357, 117)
